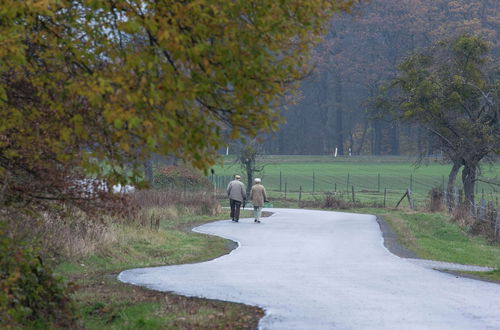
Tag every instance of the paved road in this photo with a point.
(327, 270)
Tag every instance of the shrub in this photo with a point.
(29, 291)
(330, 201)
(181, 177)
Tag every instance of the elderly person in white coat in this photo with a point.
(258, 197)
(237, 195)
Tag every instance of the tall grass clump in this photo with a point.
(149, 207)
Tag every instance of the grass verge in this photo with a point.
(105, 302)
(434, 236)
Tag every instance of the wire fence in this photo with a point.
(379, 191)
(369, 189)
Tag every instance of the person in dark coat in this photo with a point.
(237, 195)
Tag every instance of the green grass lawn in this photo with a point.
(370, 176)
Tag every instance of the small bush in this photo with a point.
(330, 201)
(180, 177)
(29, 292)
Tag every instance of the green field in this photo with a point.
(369, 176)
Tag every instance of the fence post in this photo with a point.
(497, 225)
(404, 195)
(410, 199)
(300, 193)
(314, 183)
(385, 196)
(411, 181)
(285, 187)
(280, 181)
(490, 212)
(353, 199)
(214, 182)
(335, 187)
(445, 195)
(378, 185)
(481, 211)
(348, 177)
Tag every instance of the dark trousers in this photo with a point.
(235, 209)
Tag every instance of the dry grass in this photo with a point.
(67, 233)
(71, 236)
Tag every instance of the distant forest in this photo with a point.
(358, 56)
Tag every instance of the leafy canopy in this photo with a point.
(452, 90)
(90, 82)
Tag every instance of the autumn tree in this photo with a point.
(247, 153)
(452, 90)
(359, 54)
(88, 87)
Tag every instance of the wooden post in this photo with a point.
(385, 196)
(285, 188)
(314, 183)
(348, 177)
(410, 199)
(335, 187)
(411, 181)
(280, 181)
(378, 185)
(497, 225)
(481, 211)
(404, 195)
(353, 199)
(215, 185)
(490, 212)
(300, 193)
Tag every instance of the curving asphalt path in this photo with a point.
(327, 270)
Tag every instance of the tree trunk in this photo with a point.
(420, 147)
(394, 139)
(469, 181)
(148, 172)
(452, 177)
(363, 137)
(339, 127)
(249, 167)
(377, 138)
